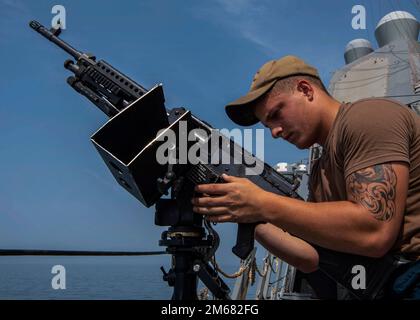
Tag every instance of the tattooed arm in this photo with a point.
(382, 191)
(375, 189)
(367, 223)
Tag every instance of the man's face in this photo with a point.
(289, 115)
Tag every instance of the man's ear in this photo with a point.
(306, 88)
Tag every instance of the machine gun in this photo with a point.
(128, 144)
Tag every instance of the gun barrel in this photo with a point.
(50, 36)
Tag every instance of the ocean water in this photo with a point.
(109, 278)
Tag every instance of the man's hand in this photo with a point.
(238, 200)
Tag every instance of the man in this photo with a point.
(364, 190)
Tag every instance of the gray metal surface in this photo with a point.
(392, 71)
(356, 49)
(395, 26)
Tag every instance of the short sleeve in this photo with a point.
(374, 132)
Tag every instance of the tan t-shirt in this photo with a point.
(366, 133)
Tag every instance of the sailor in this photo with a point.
(364, 189)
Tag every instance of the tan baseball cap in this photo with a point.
(240, 111)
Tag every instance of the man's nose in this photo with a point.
(276, 132)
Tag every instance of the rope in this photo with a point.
(203, 294)
(251, 265)
(268, 264)
(237, 274)
(251, 275)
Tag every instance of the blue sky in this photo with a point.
(55, 191)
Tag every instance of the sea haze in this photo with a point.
(113, 278)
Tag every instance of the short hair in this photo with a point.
(289, 84)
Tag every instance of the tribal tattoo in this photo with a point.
(375, 189)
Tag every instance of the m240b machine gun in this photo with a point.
(128, 143)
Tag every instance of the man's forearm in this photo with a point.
(342, 226)
(294, 251)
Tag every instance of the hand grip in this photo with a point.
(244, 240)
